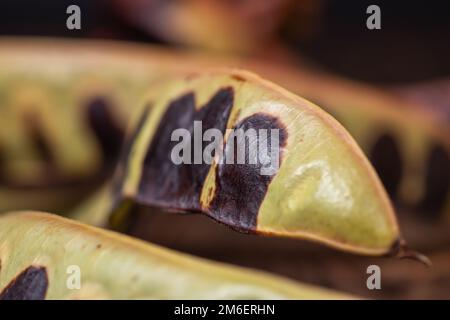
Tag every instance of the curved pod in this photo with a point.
(324, 189)
(41, 253)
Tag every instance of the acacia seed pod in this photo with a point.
(41, 253)
(324, 190)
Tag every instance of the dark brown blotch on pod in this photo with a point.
(107, 131)
(238, 77)
(241, 188)
(387, 161)
(178, 187)
(30, 284)
(437, 181)
(39, 140)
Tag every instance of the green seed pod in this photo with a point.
(324, 190)
(44, 256)
(54, 96)
(408, 146)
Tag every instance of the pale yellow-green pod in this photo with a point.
(324, 189)
(45, 256)
(408, 145)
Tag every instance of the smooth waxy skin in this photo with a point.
(325, 189)
(369, 114)
(115, 266)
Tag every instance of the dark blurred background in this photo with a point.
(331, 33)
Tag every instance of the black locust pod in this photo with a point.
(44, 256)
(407, 143)
(308, 180)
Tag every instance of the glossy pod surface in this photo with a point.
(324, 189)
(37, 250)
(408, 146)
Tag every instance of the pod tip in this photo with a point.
(401, 250)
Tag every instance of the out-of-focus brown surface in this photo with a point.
(221, 25)
(300, 260)
(411, 45)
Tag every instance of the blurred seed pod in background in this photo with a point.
(229, 26)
